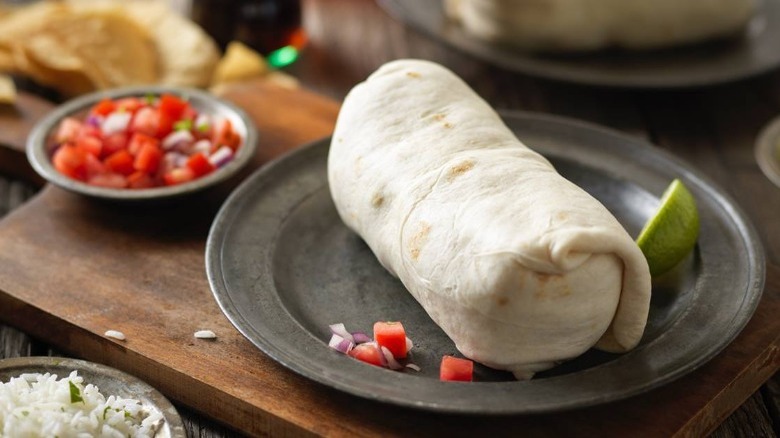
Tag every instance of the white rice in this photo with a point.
(39, 405)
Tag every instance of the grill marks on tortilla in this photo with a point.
(377, 200)
(554, 290)
(419, 239)
(413, 74)
(459, 169)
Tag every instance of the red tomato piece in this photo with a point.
(138, 140)
(172, 107)
(225, 135)
(120, 162)
(71, 161)
(456, 369)
(129, 104)
(140, 180)
(94, 166)
(368, 353)
(178, 175)
(68, 130)
(91, 144)
(146, 121)
(104, 107)
(110, 179)
(392, 336)
(199, 164)
(148, 158)
(114, 142)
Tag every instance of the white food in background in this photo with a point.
(40, 405)
(205, 334)
(115, 334)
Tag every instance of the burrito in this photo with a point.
(521, 268)
(583, 25)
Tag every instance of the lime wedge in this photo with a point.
(671, 232)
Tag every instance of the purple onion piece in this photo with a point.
(360, 337)
(340, 344)
(409, 344)
(221, 157)
(413, 366)
(177, 139)
(339, 329)
(391, 362)
(115, 122)
(94, 120)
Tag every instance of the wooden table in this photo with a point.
(713, 128)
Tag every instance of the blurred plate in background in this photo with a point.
(758, 51)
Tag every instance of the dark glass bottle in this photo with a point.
(264, 25)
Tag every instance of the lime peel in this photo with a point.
(671, 233)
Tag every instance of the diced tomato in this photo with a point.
(368, 353)
(392, 336)
(111, 180)
(148, 158)
(456, 369)
(129, 104)
(146, 121)
(178, 175)
(172, 107)
(138, 140)
(114, 142)
(94, 166)
(225, 135)
(199, 164)
(134, 157)
(91, 144)
(140, 180)
(71, 161)
(104, 107)
(120, 162)
(68, 130)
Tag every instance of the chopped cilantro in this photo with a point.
(75, 393)
(183, 125)
(150, 99)
(203, 127)
(128, 415)
(105, 411)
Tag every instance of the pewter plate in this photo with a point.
(768, 150)
(754, 52)
(282, 267)
(109, 381)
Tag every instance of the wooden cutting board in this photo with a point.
(72, 268)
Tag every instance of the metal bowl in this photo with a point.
(41, 145)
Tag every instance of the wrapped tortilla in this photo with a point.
(521, 268)
(582, 25)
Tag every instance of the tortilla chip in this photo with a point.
(188, 55)
(7, 89)
(114, 49)
(239, 63)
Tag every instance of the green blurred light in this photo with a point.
(282, 57)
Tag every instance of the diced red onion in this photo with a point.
(391, 362)
(340, 344)
(173, 159)
(339, 329)
(94, 120)
(221, 157)
(202, 146)
(413, 366)
(177, 139)
(360, 337)
(115, 122)
(409, 344)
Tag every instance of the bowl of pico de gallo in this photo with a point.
(142, 143)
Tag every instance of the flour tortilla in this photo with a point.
(582, 25)
(521, 268)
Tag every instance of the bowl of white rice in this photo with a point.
(49, 396)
